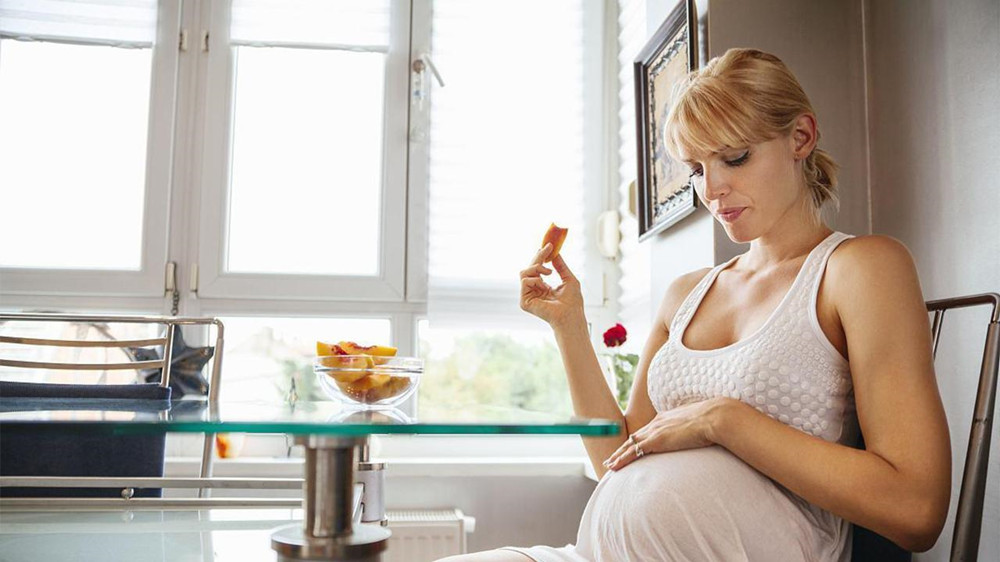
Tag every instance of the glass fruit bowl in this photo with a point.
(366, 381)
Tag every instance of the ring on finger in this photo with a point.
(631, 439)
(638, 451)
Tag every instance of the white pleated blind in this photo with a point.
(347, 24)
(122, 23)
(636, 307)
(506, 147)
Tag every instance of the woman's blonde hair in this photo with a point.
(745, 97)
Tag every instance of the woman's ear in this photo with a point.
(804, 136)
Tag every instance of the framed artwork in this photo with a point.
(665, 193)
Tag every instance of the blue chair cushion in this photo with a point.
(33, 449)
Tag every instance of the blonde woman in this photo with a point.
(739, 437)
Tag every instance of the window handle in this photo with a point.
(418, 89)
(430, 64)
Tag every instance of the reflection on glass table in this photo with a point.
(142, 536)
(331, 435)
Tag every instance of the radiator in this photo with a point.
(424, 535)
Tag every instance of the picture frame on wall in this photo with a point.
(665, 192)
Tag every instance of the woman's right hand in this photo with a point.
(558, 306)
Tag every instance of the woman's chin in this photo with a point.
(737, 234)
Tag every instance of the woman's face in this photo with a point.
(750, 189)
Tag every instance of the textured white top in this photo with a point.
(787, 369)
(707, 504)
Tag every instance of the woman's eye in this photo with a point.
(739, 161)
(696, 173)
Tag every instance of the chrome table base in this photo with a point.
(328, 531)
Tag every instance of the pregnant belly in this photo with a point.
(703, 504)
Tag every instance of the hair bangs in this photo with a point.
(707, 118)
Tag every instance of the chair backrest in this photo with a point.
(132, 392)
(969, 516)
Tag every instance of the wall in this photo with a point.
(509, 510)
(907, 97)
(822, 43)
(935, 128)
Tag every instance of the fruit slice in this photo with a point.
(347, 362)
(556, 236)
(323, 348)
(227, 445)
(352, 348)
(347, 368)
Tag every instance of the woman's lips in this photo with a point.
(732, 214)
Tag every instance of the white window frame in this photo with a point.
(21, 287)
(213, 280)
(599, 161)
(190, 155)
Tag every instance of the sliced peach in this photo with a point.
(369, 382)
(224, 446)
(378, 350)
(556, 236)
(349, 390)
(347, 376)
(323, 348)
(347, 361)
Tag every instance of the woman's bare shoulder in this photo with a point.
(676, 293)
(872, 253)
(874, 265)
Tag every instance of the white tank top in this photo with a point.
(787, 369)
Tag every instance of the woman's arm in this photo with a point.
(590, 393)
(562, 308)
(900, 486)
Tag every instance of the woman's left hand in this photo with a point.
(685, 427)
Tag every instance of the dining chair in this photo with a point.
(868, 546)
(35, 450)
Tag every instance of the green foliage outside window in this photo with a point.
(494, 369)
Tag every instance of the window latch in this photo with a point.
(419, 89)
(170, 287)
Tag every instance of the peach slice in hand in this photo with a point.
(556, 236)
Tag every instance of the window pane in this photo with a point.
(506, 158)
(72, 154)
(263, 355)
(307, 162)
(508, 368)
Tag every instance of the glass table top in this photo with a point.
(218, 535)
(312, 418)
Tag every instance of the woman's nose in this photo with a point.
(714, 185)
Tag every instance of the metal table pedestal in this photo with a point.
(328, 532)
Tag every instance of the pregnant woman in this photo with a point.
(740, 433)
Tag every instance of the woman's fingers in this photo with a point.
(628, 452)
(535, 270)
(542, 253)
(534, 283)
(562, 269)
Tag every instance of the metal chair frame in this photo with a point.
(171, 324)
(969, 516)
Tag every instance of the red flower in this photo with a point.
(615, 336)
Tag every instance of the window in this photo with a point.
(263, 356)
(304, 179)
(86, 107)
(636, 309)
(303, 167)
